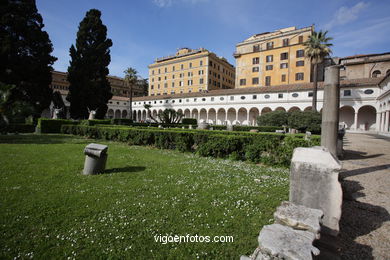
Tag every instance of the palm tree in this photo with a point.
(317, 47)
(131, 80)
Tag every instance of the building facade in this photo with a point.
(273, 58)
(189, 71)
(118, 86)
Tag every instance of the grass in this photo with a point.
(49, 210)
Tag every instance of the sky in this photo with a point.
(143, 30)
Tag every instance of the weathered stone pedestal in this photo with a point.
(95, 158)
(314, 183)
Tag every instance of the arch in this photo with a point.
(265, 110)
(117, 114)
(280, 109)
(139, 116)
(134, 115)
(366, 118)
(221, 116)
(194, 113)
(154, 114)
(143, 115)
(376, 73)
(347, 116)
(124, 114)
(253, 114)
(231, 115)
(212, 116)
(308, 108)
(292, 109)
(179, 111)
(187, 113)
(203, 115)
(242, 116)
(110, 113)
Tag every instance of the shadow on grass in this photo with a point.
(125, 169)
(40, 139)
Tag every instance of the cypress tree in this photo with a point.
(89, 88)
(25, 56)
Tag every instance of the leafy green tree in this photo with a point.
(25, 56)
(89, 88)
(130, 81)
(274, 118)
(305, 121)
(11, 110)
(317, 47)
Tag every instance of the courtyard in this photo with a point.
(50, 210)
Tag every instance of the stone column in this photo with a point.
(248, 118)
(387, 121)
(378, 122)
(356, 121)
(330, 111)
(382, 127)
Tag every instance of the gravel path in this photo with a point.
(365, 221)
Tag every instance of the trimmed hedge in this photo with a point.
(268, 148)
(19, 128)
(46, 125)
(93, 122)
(189, 121)
(121, 121)
(269, 129)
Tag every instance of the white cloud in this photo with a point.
(346, 15)
(167, 3)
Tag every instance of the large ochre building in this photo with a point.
(273, 58)
(189, 70)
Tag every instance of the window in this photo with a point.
(284, 56)
(376, 74)
(221, 98)
(269, 67)
(173, 68)
(201, 63)
(190, 65)
(368, 91)
(269, 58)
(159, 71)
(173, 76)
(242, 82)
(300, 39)
(300, 63)
(200, 81)
(152, 72)
(203, 99)
(181, 66)
(270, 45)
(256, 48)
(347, 93)
(255, 69)
(242, 97)
(190, 74)
(280, 95)
(268, 80)
(283, 65)
(299, 76)
(151, 87)
(200, 72)
(173, 84)
(254, 97)
(255, 60)
(159, 78)
(165, 85)
(211, 63)
(267, 96)
(181, 83)
(300, 53)
(158, 86)
(165, 70)
(285, 42)
(295, 95)
(310, 94)
(283, 77)
(190, 82)
(255, 81)
(232, 98)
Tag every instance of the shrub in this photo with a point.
(274, 118)
(259, 128)
(46, 125)
(92, 122)
(305, 121)
(268, 148)
(121, 121)
(189, 121)
(19, 128)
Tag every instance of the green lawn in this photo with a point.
(48, 209)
